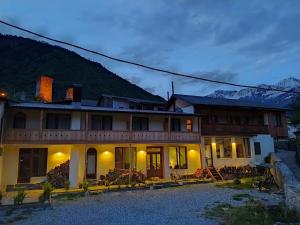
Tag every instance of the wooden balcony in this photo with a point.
(31, 136)
(225, 129)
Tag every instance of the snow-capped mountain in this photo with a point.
(259, 95)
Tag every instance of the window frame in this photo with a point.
(19, 117)
(57, 118)
(121, 165)
(173, 124)
(137, 123)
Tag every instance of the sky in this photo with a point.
(247, 42)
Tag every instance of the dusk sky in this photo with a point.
(248, 42)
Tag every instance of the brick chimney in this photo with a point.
(43, 90)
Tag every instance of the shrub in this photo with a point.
(67, 185)
(85, 185)
(19, 198)
(47, 189)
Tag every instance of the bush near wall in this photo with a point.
(58, 176)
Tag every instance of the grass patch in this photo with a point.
(246, 183)
(240, 197)
(254, 212)
(68, 196)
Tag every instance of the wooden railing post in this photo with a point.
(41, 124)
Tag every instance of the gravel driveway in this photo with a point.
(183, 205)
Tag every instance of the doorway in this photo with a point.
(154, 162)
(91, 163)
(208, 155)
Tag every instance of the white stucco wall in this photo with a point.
(266, 145)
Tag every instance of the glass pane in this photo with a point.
(157, 161)
(96, 123)
(91, 161)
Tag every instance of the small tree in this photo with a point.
(47, 189)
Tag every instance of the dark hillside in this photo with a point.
(22, 60)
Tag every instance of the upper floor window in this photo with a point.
(189, 125)
(277, 119)
(175, 124)
(19, 120)
(220, 118)
(58, 121)
(140, 123)
(257, 148)
(224, 148)
(99, 122)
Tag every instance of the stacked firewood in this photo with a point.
(59, 175)
(230, 172)
(121, 177)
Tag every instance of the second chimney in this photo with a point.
(73, 93)
(43, 90)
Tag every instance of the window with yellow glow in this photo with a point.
(178, 157)
(189, 125)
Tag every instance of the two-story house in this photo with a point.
(38, 136)
(233, 132)
(114, 132)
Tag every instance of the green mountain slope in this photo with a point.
(22, 60)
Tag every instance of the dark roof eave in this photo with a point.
(108, 110)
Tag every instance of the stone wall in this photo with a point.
(286, 180)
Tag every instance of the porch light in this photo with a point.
(59, 153)
(192, 150)
(142, 152)
(213, 143)
(106, 152)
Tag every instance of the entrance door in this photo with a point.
(154, 162)
(91, 163)
(208, 155)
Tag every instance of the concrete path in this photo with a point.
(288, 157)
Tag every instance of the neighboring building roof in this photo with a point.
(203, 100)
(135, 100)
(80, 107)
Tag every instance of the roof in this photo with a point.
(80, 107)
(135, 100)
(203, 100)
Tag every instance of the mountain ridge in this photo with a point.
(23, 60)
(258, 95)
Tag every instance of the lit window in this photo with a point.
(178, 157)
(123, 159)
(243, 148)
(224, 148)
(189, 126)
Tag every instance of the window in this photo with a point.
(139, 123)
(224, 148)
(178, 157)
(257, 148)
(175, 124)
(220, 118)
(101, 122)
(243, 148)
(123, 158)
(91, 163)
(189, 125)
(32, 163)
(277, 119)
(58, 121)
(19, 120)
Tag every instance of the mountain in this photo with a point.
(258, 95)
(22, 60)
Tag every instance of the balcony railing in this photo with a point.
(31, 136)
(231, 129)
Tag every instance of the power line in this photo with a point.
(142, 65)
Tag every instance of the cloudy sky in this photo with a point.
(248, 42)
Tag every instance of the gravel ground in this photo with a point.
(183, 205)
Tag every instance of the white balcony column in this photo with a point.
(73, 170)
(166, 163)
(202, 153)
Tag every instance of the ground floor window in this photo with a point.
(124, 157)
(257, 148)
(243, 148)
(32, 163)
(178, 157)
(223, 147)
